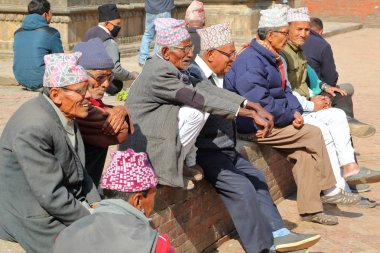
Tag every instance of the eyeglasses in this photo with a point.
(229, 55)
(186, 49)
(82, 92)
(286, 34)
(101, 78)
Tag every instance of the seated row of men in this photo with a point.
(176, 106)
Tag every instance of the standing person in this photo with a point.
(320, 57)
(107, 30)
(195, 19)
(168, 111)
(129, 187)
(44, 186)
(153, 9)
(105, 125)
(241, 186)
(258, 74)
(32, 42)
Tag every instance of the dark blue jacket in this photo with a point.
(32, 42)
(254, 75)
(320, 57)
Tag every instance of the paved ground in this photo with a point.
(357, 57)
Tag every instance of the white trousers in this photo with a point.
(336, 133)
(190, 124)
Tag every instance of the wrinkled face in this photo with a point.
(278, 39)
(179, 55)
(72, 100)
(99, 80)
(299, 32)
(220, 59)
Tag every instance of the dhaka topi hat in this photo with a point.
(215, 36)
(129, 172)
(195, 12)
(108, 12)
(298, 15)
(62, 70)
(94, 55)
(274, 17)
(170, 31)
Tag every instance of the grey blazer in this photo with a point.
(154, 101)
(42, 177)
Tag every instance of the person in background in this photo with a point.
(44, 186)
(32, 42)
(129, 187)
(107, 30)
(105, 125)
(153, 9)
(195, 19)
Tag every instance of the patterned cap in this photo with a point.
(129, 172)
(170, 31)
(275, 17)
(215, 36)
(195, 12)
(300, 15)
(62, 70)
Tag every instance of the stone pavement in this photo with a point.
(357, 57)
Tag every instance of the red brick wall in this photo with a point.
(197, 220)
(363, 11)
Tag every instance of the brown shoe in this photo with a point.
(342, 198)
(321, 218)
(194, 172)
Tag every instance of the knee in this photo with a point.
(348, 87)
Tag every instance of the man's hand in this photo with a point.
(261, 123)
(321, 102)
(331, 90)
(135, 74)
(116, 120)
(262, 113)
(298, 120)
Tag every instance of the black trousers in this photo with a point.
(244, 192)
(342, 102)
(95, 159)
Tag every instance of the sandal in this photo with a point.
(342, 198)
(320, 218)
(364, 176)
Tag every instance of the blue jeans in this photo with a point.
(149, 34)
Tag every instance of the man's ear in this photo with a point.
(135, 200)
(165, 52)
(269, 36)
(210, 54)
(55, 96)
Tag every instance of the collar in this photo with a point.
(204, 67)
(294, 47)
(105, 29)
(315, 34)
(120, 206)
(67, 124)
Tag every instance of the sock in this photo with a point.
(331, 192)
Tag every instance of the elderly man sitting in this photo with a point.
(44, 186)
(167, 109)
(259, 75)
(129, 187)
(105, 125)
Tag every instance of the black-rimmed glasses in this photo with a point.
(186, 49)
(286, 34)
(229, 55)
(101, 78)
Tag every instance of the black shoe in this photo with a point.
(295, 241)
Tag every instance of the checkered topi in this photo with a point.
(195, 12)
(298, 15)
(129, 172)
(215, 36)
(170, 31)
(274, 17)
(62, 70)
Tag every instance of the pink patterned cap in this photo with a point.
(129, 172)
(274, 17)
(298, 15)
(62, 70)
(195, 12)
(170, 31)
(215, 36)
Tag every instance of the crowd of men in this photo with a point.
(178, 126)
